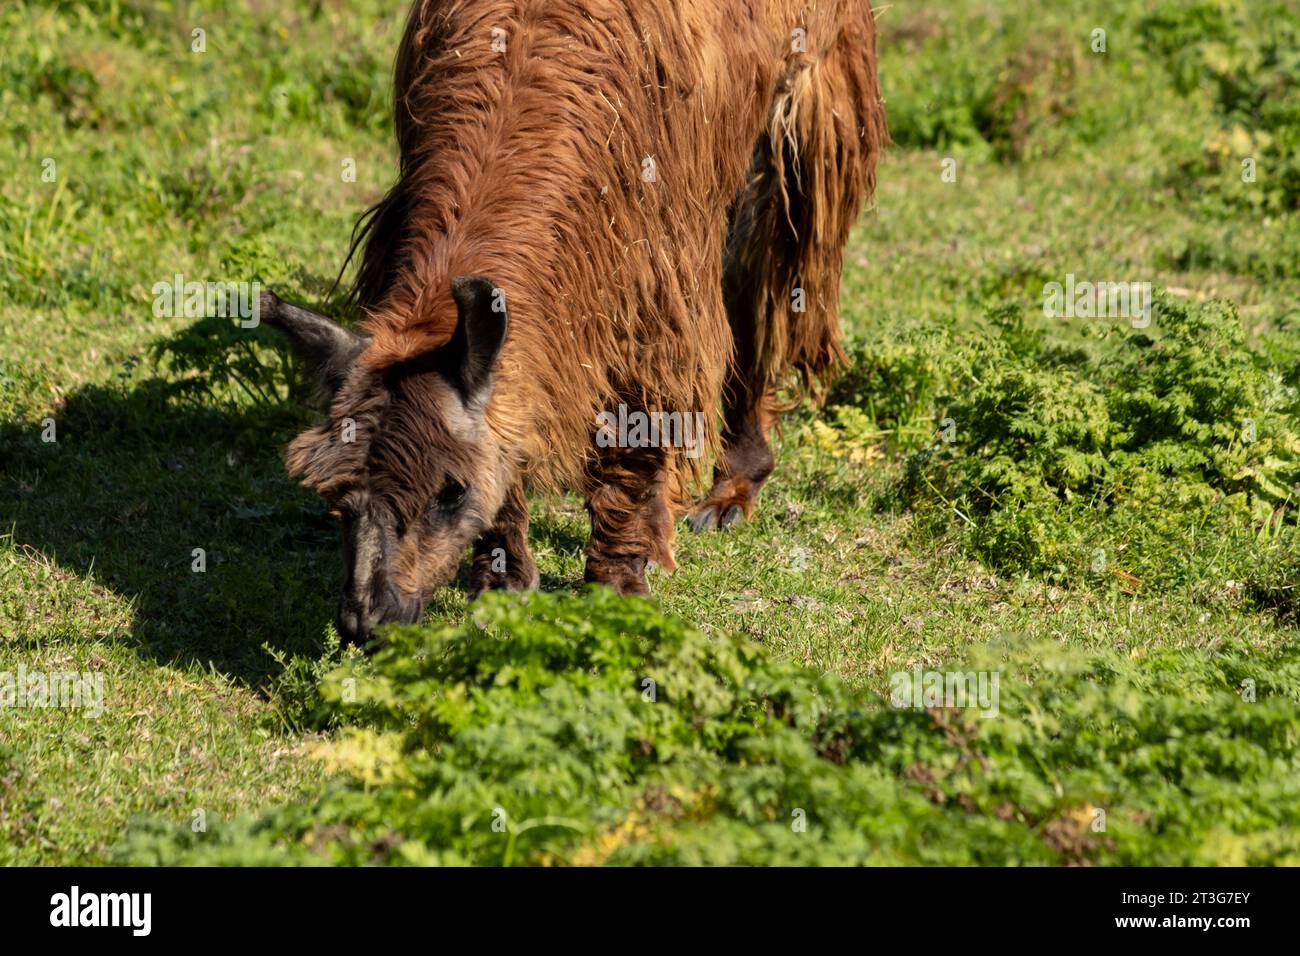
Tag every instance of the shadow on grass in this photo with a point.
(135, 483)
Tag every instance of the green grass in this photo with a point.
(202, 163)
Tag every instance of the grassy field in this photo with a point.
(1138, 511)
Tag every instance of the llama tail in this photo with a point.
(811, 171)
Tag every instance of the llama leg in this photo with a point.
(631, 510)
(746, 462)
(502, 559)
(809, 173)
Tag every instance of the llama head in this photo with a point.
(405, 458)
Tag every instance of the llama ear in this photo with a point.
(329, 348)
(481, 327)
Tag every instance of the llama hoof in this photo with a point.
(706, 519)
(717, 517)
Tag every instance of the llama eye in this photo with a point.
(451, 497)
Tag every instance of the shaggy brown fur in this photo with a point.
(648, 182)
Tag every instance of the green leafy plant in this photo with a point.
(592, 729)
(1250, 63)
(1059, 454)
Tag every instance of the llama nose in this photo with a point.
(398, 608)
(351, 626)
(356, 625)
